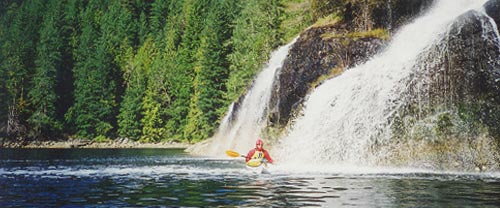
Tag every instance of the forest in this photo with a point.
(155, 70)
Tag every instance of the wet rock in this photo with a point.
(393, 14)
(492, 8)
(454, 102)
(313, 55)
(309, 58)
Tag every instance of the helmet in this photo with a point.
(259, 141)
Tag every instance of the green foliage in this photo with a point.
(194, 14)
(376, 33)
(322, 8)
(135, 76)
(18, 61)
(331, 19)
(443, 124)
(255, 34)
(211, 73)
(147, 70)
(102, 139)
(43, 95)
(92, 112)
(157, 97)
(359, 13)
(3, 72)
(160, 10)
(295, 18)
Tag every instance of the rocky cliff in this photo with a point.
(451, 112)
(492, 8)
(447, 117)
(329, 49)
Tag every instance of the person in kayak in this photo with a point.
(259, 152)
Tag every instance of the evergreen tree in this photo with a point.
(160, 10)
(211, 72)
(106, 30)
(154, 70)
(3, 73)
(194, 13)
(42, 95)
(18, 53)
(256, 33)
(92, 102)
(157, 97)
(164, 78)
(135, 76)
(70, 31)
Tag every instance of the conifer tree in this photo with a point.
(256, 33)
(211, 72)
(18, 51)
(135, 77)
(194, 13)
(160, 10)
(157, 97)
(92, 104)
(3, 73)
(42, 95)
(154, 70)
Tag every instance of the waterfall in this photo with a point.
(244, 120)
(347, 114)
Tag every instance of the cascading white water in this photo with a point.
(240, 128)
(347, 114)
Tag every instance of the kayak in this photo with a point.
(258, 166)
(262, 169)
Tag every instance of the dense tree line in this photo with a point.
(146, 70)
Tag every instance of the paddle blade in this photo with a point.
(232, 153)
(254, 163)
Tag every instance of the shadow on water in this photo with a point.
(152, 177)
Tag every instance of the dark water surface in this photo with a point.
(172, 178)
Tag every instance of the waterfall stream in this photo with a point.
(346, 115)
(241, 127)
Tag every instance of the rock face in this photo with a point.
(313, 56)
(461, 72)
(475, 66)
(449, 117)
(395, 13)
(492, 8)
(452, 109)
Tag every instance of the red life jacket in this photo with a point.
(256, 154)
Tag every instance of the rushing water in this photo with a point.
(347, 115)
(241, 126)
(170, 177)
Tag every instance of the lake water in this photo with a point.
(173, 178)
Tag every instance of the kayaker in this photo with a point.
(259, 152)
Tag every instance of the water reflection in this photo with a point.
(172, 178)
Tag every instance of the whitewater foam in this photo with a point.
(344, 116)
(240, 128)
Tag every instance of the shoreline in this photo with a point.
(78, 144)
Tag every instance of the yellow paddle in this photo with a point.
(231, 153)
(251, 163)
